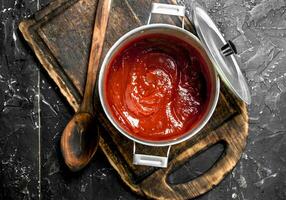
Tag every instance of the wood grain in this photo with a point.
(98, 36)
(61, 49)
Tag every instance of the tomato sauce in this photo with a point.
(157, 88)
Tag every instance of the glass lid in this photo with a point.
(222, 52)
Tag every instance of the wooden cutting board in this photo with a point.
(60, 36)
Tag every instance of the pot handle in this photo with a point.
(150, 160)
(167, 9)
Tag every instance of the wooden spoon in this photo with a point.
(80, 138)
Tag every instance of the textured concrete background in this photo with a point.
(258, 29)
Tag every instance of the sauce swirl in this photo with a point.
(157, 87)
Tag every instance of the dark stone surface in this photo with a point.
(258, 29)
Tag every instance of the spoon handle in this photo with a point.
(100, 25)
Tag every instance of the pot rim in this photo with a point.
(104, 105)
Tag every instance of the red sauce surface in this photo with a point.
(156, 87)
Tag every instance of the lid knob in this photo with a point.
(228, 49)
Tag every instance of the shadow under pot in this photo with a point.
(158, 86)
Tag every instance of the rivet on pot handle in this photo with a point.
(150, 160)
(167, 9)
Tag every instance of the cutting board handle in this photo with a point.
(200, 184)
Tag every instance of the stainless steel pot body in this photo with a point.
(190, 39)
(166, 30)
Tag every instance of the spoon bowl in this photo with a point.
(79, 141)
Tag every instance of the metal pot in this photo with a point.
(190, 39)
